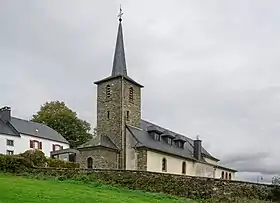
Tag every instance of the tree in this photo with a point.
(59, 117)
(276, 188)
(276, 180)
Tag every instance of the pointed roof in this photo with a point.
(119, 64)
(99, 141)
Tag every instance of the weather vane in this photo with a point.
(120, 14)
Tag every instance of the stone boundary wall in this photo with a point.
(179, 185)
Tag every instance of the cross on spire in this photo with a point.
(119, 64)
(120, 13)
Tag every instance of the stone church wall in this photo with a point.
(102, 158)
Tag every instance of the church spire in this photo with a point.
(119, 64)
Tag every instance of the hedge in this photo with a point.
(31, 159)
(14, 164)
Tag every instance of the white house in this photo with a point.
(18, 135)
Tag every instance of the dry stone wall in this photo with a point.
(186, 186)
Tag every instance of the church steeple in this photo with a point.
(119, 64)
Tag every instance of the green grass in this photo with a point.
(15, 189)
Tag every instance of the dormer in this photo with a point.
(179, 142)
(168, 137)
(154, 132)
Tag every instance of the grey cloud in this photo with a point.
(208, 67)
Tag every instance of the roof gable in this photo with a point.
(7, 129)
(36, 130)
(99, 141)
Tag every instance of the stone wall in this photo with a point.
(142, 159)
(118, 109)
(186, 186)
(102, 158)
(134, 106)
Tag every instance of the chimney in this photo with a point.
(5, 114)
(197, 149)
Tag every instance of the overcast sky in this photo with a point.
(208, 67)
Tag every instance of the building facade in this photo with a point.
(18, 135)
(125, 141)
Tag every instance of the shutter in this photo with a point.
(40, 145)
(53, 147)
(31, 144)
(61, 147)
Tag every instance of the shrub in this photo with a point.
(56, 163)
(276, 188)
(35, 157)
(13, 163)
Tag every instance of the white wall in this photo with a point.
(174, 166)
(131, 155)
(22, 143)
(211, 161)
(218, 173)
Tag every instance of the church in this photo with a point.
(126, 142)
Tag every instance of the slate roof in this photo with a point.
(119, 64)
(18, 126)
(102, 141)
(113, 77)
(145, 140)
(7, 129)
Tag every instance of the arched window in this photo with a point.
(127, 115)
(108, 115)
(108, 91)
(223, 175)
(226, 176)
(131, 94)
(164, 165)
(229, 176)
(89, 162)
(184, 167)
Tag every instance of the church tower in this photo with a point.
(118, 100)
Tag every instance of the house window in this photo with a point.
(157, 137)
(108, 115)
(184, 167)
(127, 115)
(34, 144)
(108, 91)
(223, 174)
(180, 144)
(169, 140)
(10, 143)
(89, 162)
(10, 152)
(164, 165)
(229, 176)
(130, 94)
(226, 176)
(57, 147)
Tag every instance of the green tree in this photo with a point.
(59, 117)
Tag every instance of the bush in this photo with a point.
(276, 188)
(56, 163)
(35, 157)
(13, 163)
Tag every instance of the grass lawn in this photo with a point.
(15, 189)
